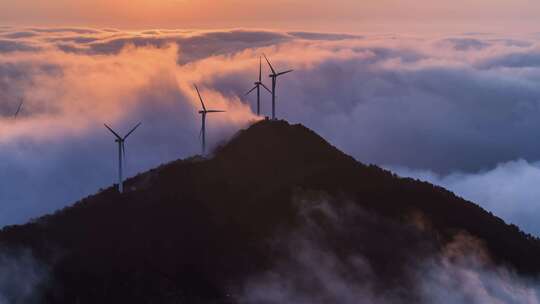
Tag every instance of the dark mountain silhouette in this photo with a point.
(194, 230)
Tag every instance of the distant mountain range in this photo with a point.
(199, 230)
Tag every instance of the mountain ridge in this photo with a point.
(191, 229)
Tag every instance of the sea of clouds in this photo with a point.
(458, 110)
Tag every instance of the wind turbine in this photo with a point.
(121, 153)
(203, 113)
(257, 87)
(274, 77)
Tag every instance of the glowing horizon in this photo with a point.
(342, 15)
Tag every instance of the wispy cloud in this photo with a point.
(334, 259)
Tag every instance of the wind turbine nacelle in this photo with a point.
(202, 112)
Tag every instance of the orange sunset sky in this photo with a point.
(336, 15)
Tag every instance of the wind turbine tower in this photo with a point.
(121, 153)
(274, 77)
(203, 113)
(258, 85)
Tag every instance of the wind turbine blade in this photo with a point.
(18, 109)
(112, 131)
(200, 133)
(251, 90)
(271, 67)
(260, 69)
(199, 93)
(132, 130)
(286, 72)
(266, 88)
(215, 111)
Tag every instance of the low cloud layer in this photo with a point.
(510, 190)
(445, 104)
(23, 278)
(320, 267)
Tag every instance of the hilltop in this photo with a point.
(195, 230)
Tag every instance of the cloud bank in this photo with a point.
(510, 190)
(444, 104)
